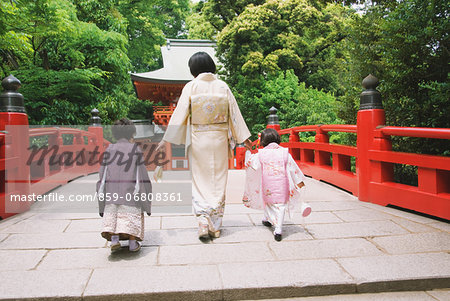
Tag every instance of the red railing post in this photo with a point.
(240, 156)
(370, 115)
(320, 157)
(381, 171)
(295, 152)
(15, 171)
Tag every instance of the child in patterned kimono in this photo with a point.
(123, 189)
(273, 181)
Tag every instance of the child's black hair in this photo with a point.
(268, 136)
(123, 129)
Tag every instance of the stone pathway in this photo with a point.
(344, 247)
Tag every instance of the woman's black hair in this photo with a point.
(268, 136)
(123, 129)
(201, 62)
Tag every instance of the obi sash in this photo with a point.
(209, 108)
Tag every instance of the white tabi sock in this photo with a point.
(114, 239)
(132, 244)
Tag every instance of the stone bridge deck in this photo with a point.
(344, 247)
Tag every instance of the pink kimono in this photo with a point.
(271, 183)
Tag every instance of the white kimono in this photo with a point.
(262, 195)
(207, 119)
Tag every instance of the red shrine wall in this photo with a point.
(156, 92)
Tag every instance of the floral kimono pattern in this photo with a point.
(256, 194)
(206, 119)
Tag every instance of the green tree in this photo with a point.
(220, 13)
(405, 44)
(70, 67)
(198, 25)
(15, 48)
(150, 22)
(297, 104)
(283, 35)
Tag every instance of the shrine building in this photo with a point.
(165, 85)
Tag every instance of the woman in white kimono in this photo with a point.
(207, 119)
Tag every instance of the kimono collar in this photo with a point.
(206, 76)
(272, 145)
(122, 140)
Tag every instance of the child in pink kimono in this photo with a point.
(273, 182)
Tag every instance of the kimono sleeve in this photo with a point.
(101, 201)
(252, 160)
(102, 175)
(237, 124)
(145, 187)
(294, 171)
(176, 130)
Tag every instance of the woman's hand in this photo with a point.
(160, 146)
(248, 144)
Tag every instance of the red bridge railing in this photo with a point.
(372, 179)
(21, 172)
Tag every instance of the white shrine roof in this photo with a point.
(176, 54)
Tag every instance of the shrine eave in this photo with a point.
(145, 79)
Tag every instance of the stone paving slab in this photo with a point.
(84, 225)
(152, 222)
(53, 241)
(396, 212)
(237, 220)
(155, 283)
(214, 253)
(317, 217)
(13, 260)
(441, 226)
(415, 243)
(329, 248)
(441, 295)
(171, 237)
(295, 232)
(3, 236)
(379, 272)
(37, 226)
(62, 284)
(247, 234)
(334, 205)
(97, 258)
(360, 215)
(411, 226)
(179, 222)
(283, 279)
(355, 229)
(392, 296)
(12, 220)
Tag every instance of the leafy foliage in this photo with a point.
(284, 35)
(297, 104)
(74, 55)
(405, 44)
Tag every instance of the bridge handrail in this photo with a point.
(344, 128)
(36, 132)
(434, 133)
